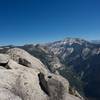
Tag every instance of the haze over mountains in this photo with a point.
(75, 59)
(96, 41)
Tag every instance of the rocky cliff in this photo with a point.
(24, 77)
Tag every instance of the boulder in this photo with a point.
(24, 58)
(14, 65)
(4, 58)
(23, 83)
(56, 87)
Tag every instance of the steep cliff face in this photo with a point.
(24, 77)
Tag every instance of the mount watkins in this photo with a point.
(63, 70)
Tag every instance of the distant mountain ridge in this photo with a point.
(96, 41)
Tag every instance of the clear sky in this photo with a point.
(38, 21)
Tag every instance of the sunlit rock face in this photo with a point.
(24, 77)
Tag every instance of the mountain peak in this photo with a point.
(70, 41)
(74, 40)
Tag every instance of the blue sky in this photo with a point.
(39, 21)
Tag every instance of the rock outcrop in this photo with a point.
(24, 77)
(24, 58)
(4, 58)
